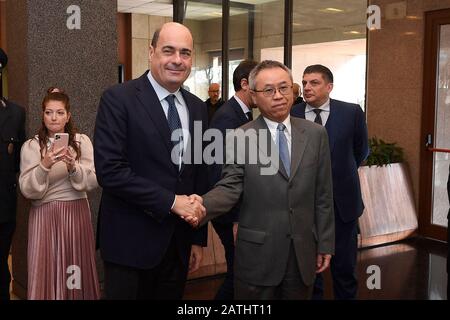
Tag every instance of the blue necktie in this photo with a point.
(174, 122)
(283, 148)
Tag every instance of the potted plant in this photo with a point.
(390, 212)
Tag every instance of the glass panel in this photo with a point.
(241, 12)
(205, 22)
(332, 33)
(269, 30)
(442, 133)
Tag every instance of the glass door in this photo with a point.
(434, 203)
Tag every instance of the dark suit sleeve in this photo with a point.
(360, 139)
(113, 170)
(324, 208)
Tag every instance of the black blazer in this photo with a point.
(347, 133)
(132, 159)
(12, 136)
(229, 116)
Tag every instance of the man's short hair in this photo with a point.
(266, 64)
(242, 72)
(155, 37)
(318, 68)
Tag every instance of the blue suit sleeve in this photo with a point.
(360, 139)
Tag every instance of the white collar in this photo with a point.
(273, 125)
(162, 92)
(324, 107)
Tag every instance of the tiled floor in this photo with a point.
(412, 269)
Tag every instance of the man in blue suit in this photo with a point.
(144, 242)
(347, 132)
(233, 114)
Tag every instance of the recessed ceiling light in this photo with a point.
(296, 24)
(409, 33)
(352, 32)
(332, 10)
(413, 18)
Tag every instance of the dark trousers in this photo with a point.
(225, 232)
(343, 263)
(290, 288)
(166, 281)
(6, 235)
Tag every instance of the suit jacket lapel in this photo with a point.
(333, 120)
(238, 110)
(149, 100)
(299, 140)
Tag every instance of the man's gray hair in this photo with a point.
(266, 64)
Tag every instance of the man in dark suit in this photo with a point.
(12, 135)
(286, 228)
(297, 93)
(142, 135)
(347, 132)
(233, 114)
(214, 102)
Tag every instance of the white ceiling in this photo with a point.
(320, 14)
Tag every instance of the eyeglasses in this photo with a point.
(270, 92)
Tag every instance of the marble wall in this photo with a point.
(44, 52)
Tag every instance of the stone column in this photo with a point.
(71, 44)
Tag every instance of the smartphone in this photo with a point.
(61, 140)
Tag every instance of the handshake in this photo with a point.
(189, 208)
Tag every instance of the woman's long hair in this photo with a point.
(55, 94)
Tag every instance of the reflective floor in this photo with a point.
(414, 269)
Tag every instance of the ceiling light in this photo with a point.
(413, 18)
(332, 10)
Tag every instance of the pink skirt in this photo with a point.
(61, 252)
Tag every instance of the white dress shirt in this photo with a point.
(311, 115)
(272, 125)
(162, 93)
(243, 106)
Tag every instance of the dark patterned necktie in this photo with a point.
(318, 118)
(174, 122)
(249, 115)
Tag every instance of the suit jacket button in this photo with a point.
(291, 211)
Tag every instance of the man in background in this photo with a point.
(234, 113)
(214, 101)
(297, 93)
(12, 136)
(347, 132)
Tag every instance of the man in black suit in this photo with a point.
(347, 132)
(142, 136)
(233, 114)
(214, 101)
(297, 93)
(12, 135)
